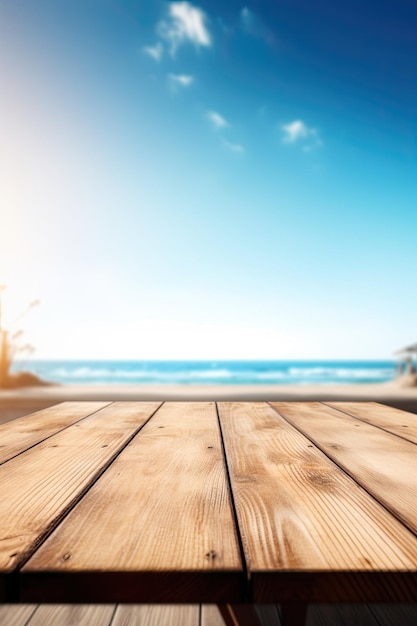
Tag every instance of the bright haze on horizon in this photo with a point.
(210, 180)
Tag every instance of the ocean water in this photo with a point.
(217, 372)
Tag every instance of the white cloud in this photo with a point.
(185, 22)
(298, 131)
(155, 51)
(181, 79)
(234, 147)
(294, 131)
(217, 120)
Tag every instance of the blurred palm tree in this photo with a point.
(10, 342)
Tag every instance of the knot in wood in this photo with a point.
(66, 556)
(211, 555)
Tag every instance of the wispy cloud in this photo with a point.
(298, 132)
(155, 51)
(253, 25)
(234, 147)
(294, 131)
(184, 80)
(184, 22)
(217, 120)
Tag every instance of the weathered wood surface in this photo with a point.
(132, 503)
(187, 615)
(16, 615)
(20, 434)
(392, 420)
(76, 615)
(308, 530)
(210, 615)
(269, 614)
(401, 614)
(344, 615)
(384, 464)
(239, 615)
(158, 525)
(157, 615)
(38, 487)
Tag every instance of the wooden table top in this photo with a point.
(209, 502)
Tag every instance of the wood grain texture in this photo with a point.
(16, 615)
(239, 615)
(157, 615)
(186, 615)
(385, 465)
(269, 615)
(24, 432)
(309, 532)
(395, 615)
(40, 485)
(76, 615)
(343, 615)
(157, 527)
(211, 616)
(392, 420)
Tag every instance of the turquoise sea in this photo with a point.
(218, 372)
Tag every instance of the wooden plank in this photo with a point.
(157, 615)
(343, 615)
(157, 527)
(38, 487)
(210, 615)
(24, 432)
(239, 615)
(268, 614)
(382, 463)
(404, 614)
(394, 421)
(16, 615)
(76, 615)
(309, 532)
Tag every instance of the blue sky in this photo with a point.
(210, 180)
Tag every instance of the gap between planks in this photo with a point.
(292, 528)
(233, 504)
(382, 417)
(383, 464)
(112, 615)
(225, 460)
(199, 615)
(31, 430)
(27, 526)
(179, 452)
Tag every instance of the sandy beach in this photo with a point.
(17, 402)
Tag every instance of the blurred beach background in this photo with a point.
(209, 199)
(209, 372)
